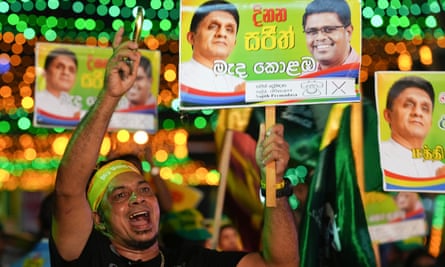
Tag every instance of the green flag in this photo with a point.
(333, 230)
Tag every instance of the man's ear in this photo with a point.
(98, 222)
(349, 29)
(191, 38)
(387, 115)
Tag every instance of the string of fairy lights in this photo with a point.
(396, 35)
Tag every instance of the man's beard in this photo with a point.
(141, 245)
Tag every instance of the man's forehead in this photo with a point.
(219, 15)
(414, 90)
(63, 59)
(126, 179)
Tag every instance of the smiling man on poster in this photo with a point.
(212, 35)
(328, 30)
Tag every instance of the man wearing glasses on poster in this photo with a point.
(328, 30)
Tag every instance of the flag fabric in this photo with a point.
(241, 204)
(333, 230)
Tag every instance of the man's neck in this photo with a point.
(339, 63)
(204, 61)
(409, 144)
(54, 92)
(136, 254)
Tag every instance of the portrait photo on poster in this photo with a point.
(69, 78)
(411, 119)
(241, 53)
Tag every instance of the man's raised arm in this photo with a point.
(279, 235)
(73, 220)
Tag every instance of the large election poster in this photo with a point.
(69, 78)
(260, 53)
(411, 120)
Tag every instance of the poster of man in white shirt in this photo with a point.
(411, 127)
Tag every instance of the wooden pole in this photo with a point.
(271, 200)
(223, 166)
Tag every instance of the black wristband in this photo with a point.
(286, 191)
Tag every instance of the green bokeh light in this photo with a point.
(208, 111)
(431, 22)
(40, 5)
(4, 7)
(391, 30)
(53, 4)
(404, 10)
(59, 130)
(383, 4)
(163, 14)
(425, 8)
(117, 2)
(165, 25)
(168, 124)
(16, 7)
(78, 7)
(156, 4)
(90, 9)
(41, 20)
(51, 21)
(21, 26)
(29, 33)
(62, 23)
(174, 14)
(5, 127)
(439, 33)
(50, 35)
(147, 26)
(395, 4)
(28, 6)
(90, 24)
(130, 3)
(169, 4)
(13, 19)
(114, 11)
(80, 24)
(368, 12)
(126, 12)
(394, 21)
(102, 10)
(391, 12)
(24, 123)
(117, 23)
(435, 7)
(150, 13)
(200, 122)
(415, 9)
(377, 21)
(404, 22)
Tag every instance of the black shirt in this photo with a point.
(99, 253)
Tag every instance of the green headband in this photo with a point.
(103, 177)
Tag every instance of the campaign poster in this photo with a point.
(265, 56)
(411, 127)
(395, 217)
(69, 78)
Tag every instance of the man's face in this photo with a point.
(141, 89)
(329, 48)
(229, 240)
(406, 200)
(131, 211)
(410, 117)
(214, 39)
(61, 74)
